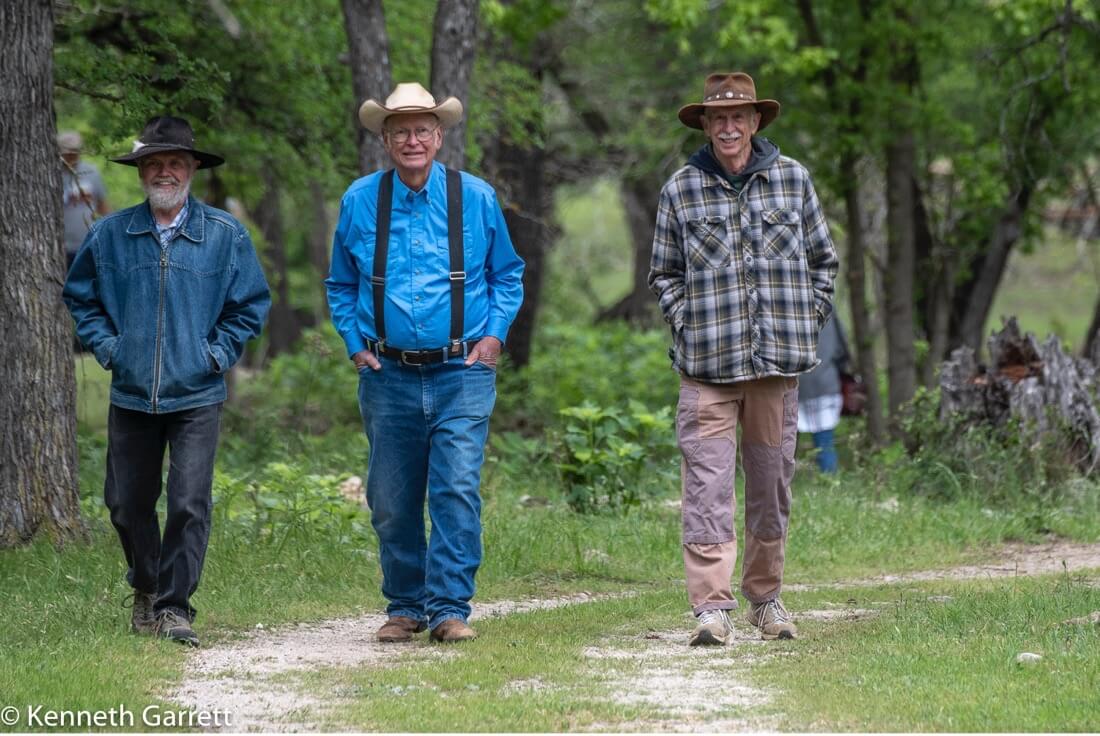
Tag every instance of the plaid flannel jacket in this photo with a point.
(745, 282)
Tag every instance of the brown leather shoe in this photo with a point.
(452, 630)
(400, 628)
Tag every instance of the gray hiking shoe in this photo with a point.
(714, 629)
(772, 619)
(142, 618)
(172, 625)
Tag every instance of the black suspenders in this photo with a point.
(457, 274)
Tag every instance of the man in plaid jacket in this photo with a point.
(743, 266)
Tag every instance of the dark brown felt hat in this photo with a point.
(165, 133)
(728, 90)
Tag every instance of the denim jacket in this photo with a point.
(167, 322)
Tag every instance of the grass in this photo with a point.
(928, 666)
(286, 548)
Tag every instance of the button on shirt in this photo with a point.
(417, 288)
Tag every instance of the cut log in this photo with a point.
(1041, 386)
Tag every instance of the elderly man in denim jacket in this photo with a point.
(166, 294)
(743, 266)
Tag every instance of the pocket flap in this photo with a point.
(780, 217)
(705, 223)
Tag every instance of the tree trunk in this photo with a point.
(518, 171)
(38, 472)
(369, 55)
(638, 307)
(901, 361)
(1050, 394)
(319, 245)
(283, 329)
(862, 332)
(977, 295)
(454, 45)
(1091, 350)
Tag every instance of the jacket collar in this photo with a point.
(193, 228)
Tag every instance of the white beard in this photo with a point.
(163, 201)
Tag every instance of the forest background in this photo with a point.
(953, 144)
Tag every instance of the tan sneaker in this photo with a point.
(400, 628)
(452, 630)
(174, 626)
(142, 618)
(714, 629)
(772, 619)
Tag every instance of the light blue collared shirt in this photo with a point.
(165, 233)
(418, 291)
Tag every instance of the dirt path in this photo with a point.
(259, 679)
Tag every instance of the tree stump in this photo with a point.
(1045, 389)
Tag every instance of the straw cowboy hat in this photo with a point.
(409, 97)
(728, 90)
(165, 133)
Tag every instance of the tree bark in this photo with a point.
(319, 245)
(1049, 393)
(283, 328)
(518, 171)
(1091, 350)
(901, 362)
(855, 273)
(38, 459)
(639, 307)
(454, 46)
(369, 56)
(862, 332)
(977, 295)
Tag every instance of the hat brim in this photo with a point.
(373, 115)
(206, 160)
(691, 115)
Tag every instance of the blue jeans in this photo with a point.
(826, 451)
(427, 428)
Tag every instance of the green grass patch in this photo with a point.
(924, 665)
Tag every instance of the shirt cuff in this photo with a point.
(497, 329)
(355, 343)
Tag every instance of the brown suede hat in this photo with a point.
(731, 89)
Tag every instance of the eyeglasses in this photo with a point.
(401, 135)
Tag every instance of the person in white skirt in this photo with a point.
(819, 398)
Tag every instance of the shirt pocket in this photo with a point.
(707, 242)
(782, 234)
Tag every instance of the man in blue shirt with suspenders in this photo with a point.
(423, 287)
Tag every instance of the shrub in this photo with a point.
(607, 364)
(611, 458)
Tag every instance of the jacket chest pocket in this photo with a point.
(707, 243)
(781, 234)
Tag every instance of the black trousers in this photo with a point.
(168, 566)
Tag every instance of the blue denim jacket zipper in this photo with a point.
(160, 322)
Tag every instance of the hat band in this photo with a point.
(729, 96)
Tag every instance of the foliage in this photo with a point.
(952, 460)
(607, 365)
(283, 501)
(610, 458)
(310, 390)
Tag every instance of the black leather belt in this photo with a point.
(422, 357)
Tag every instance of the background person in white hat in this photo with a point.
(423, 288)
(743, 266)
(84, 196)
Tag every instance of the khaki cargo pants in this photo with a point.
(706, 425)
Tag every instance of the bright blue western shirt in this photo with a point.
(418, 291)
